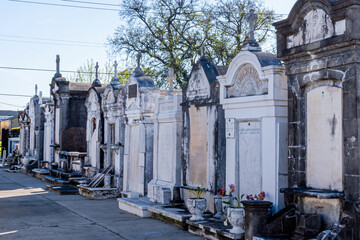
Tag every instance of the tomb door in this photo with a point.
(249, 158)
(324, 143)
(198, 146)
(112, 143)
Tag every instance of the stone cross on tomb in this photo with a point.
(171, 78)
(251, 18)
(202, 51)
(96, 70)
(57, 74)
(57, 64)
(138, 57)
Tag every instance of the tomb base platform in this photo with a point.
(138, 206)
(98, 193)
(179, 214)
(212, 229)
(39, 172)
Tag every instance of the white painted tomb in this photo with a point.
(167, 118)
(253, 94)
(141, 95)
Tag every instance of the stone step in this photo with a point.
(38, 172)
(63, 189)
(62, 182)
(49, 178)
(79, 180)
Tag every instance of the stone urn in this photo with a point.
(25, 160)
(197, 207)
(225, 206)
(236, 217)
(218, 206)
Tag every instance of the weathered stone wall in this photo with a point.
(330, 60)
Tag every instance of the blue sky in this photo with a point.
(81, 34)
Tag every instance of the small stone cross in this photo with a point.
(138, 57)
(96, 70)
(171, 78)
(115, 69)
(36, 89)
(251, 18)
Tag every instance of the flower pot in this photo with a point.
(236, 218)
(196, 207)
(218, 206)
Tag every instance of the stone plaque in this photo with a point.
(230, 128)
(198, 146)
(249, 157)
(324, 143)
(166, 150)
(133, 91)
(165, 107)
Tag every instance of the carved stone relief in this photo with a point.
(247, 83)
(316, 26)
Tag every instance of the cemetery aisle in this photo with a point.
(28, 211)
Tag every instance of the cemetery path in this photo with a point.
(29, 212)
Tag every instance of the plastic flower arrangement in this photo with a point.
(221, 192)
(260, 196)
(232, 189)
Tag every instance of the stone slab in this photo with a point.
(212, 229)
(176, 213)
(63, 189)
(137, 206)
(98, 193)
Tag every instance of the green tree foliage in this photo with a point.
(86, 73)
(170, 33)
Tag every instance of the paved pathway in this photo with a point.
(28, 211)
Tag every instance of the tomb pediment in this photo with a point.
(198, 86)
(110, 97)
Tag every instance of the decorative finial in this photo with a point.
(171, 78)
(202, 51)
(115, 80)
(57, 74)
(138, 57)
(115, 69)
(36, 89)
(96, 82)
(96, 70)
(252, 18)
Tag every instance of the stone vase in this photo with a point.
(225, 206)
(196, 207)
(236, 217)
(218, 206)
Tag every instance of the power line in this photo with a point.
(12, 105)
(14, 95)
(95, 3)
(49, 43)
(64, 5)
(49, 70)
(49, 39)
